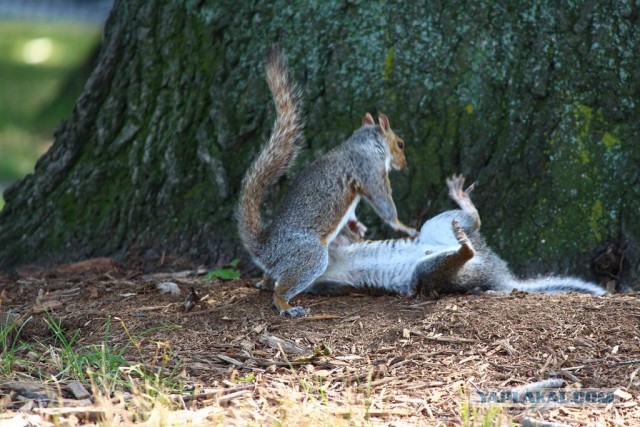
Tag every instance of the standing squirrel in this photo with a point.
(293, 249)
(449, 256)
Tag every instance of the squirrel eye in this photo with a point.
(401, 145)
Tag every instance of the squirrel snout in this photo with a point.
(398, 165)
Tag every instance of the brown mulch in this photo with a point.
(394, 359)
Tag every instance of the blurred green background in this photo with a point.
(43, 68)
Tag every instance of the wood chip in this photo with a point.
(622, 394)
(508, 348)
(538, 385)
(451, 340)
(232, 396)
(569, 375)
(90, 267)
(20, 387)
(287, 346)
(382, 413)
(176, 275)
(209, 394)
(532, 422)
(377, 383)
(92, 414)
(48, 306)
(321, 317)
(425, 385)
(169, 288)
(468, 359)
(78, 390)
(349, 357)
(230, 360)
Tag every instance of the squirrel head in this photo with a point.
(396, 144)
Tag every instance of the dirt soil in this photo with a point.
(384, 359)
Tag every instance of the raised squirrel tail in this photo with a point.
(554, 285)
(277, 155)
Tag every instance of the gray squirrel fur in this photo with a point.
(293, 248)
(448, 256)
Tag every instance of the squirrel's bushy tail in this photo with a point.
(554, 285)
(277, 155)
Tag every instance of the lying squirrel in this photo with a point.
(293, 249)
(449, 256)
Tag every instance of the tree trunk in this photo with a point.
(537, 101)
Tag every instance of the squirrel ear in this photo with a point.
(384, 123)
(368, 120)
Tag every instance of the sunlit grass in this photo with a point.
(102, 367)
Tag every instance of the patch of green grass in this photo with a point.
(228, 273)
(36, 61)
(108, 368)
(10, 346)
(99, 364)
(103, 367)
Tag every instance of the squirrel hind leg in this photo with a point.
(466, 251)
(281, 304)
(296, 276)
(444, 271)
(462, 197)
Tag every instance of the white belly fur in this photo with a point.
(349, 214)
(376, 265)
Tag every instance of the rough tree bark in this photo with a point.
(538, 101)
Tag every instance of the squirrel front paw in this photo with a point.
(455, 184)
(357, 227)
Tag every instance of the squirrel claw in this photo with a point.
(357, 227)
(470, 188)
(293, 312)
